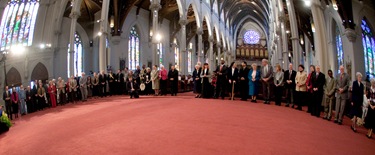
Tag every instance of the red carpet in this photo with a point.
(179, 125)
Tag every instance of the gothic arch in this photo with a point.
(40, 72)
(14, 77)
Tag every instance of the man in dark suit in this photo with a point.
(318, 80)
(290, 85)
(232, 78)
(244, 81)
(120, 82)
(173, 80)
(133, 87)
(8, 102)
(102, 84)
(267, 80)
(221, 80)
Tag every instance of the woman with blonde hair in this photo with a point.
(301, 88)
(279, 83)
(206, 81)
(254, 77)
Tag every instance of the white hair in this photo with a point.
(358, 74)
(265, 60)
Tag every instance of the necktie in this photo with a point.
(341, 77)
(290, 74)
(221, 67)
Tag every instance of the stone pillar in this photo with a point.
(284, 42)
(183, 23)
(200, 44)
(320, 38)
(74, 16)
(155, 7)
(294, 32)
(103, 37)
(218, 45)
(211, 53)
(225, 54)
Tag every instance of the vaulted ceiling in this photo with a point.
(236, 12)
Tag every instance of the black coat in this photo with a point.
(292, 78)
(102, 78)
(244, 72)
(5, 95)
(120, 77)
(223, 72)
(135, 85)
(234, 76)
(173, 74)
(357, 93)
(318, 82)
(197, 74)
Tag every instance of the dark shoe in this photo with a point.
(354, 130)
(299, 108)
(265, 102)
(340, 123)
(335, 121)
(287, 105)
(292, 106)
(368, 136)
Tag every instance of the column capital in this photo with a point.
(200, 31)
(155, 6)
(75, 14)
(211, 39)
(281, 18)
(350, 34)
(183, 22)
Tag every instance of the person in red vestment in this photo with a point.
(52, 93)
(310, 89)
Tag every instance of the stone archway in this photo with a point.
(40, 72)
(13, 77)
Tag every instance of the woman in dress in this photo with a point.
(301, 88)
(15, 100)
(358, 90)
(279, 83)
(89, 86)
(148, 90)
(197, 80)
(370, 117)
(155, 79)
(254, 77)
(52, 93)
(310, 89)
(206, 85)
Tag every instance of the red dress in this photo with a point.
(52, 94)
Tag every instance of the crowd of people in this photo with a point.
(319, 92)
(313, 89)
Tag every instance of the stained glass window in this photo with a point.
(160, 52)
(339, 50)
(177, 58)
(17, 23)
(133, 54)
(368, 48)
(78, 50)
(251, 37)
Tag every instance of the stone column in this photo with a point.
(183, 23)
(200, 44)
(294, 32)
(211, 53)
(284, 42)
(103, 37)
(320, 38)
(155, 7)
(74, 15)
(218, 45)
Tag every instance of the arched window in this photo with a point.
(251, 37)
(78, 50)
(368, 48)
(160, 52)
(133, 54)
(339, 50)
(17, 23)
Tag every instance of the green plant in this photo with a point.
(4, 119)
